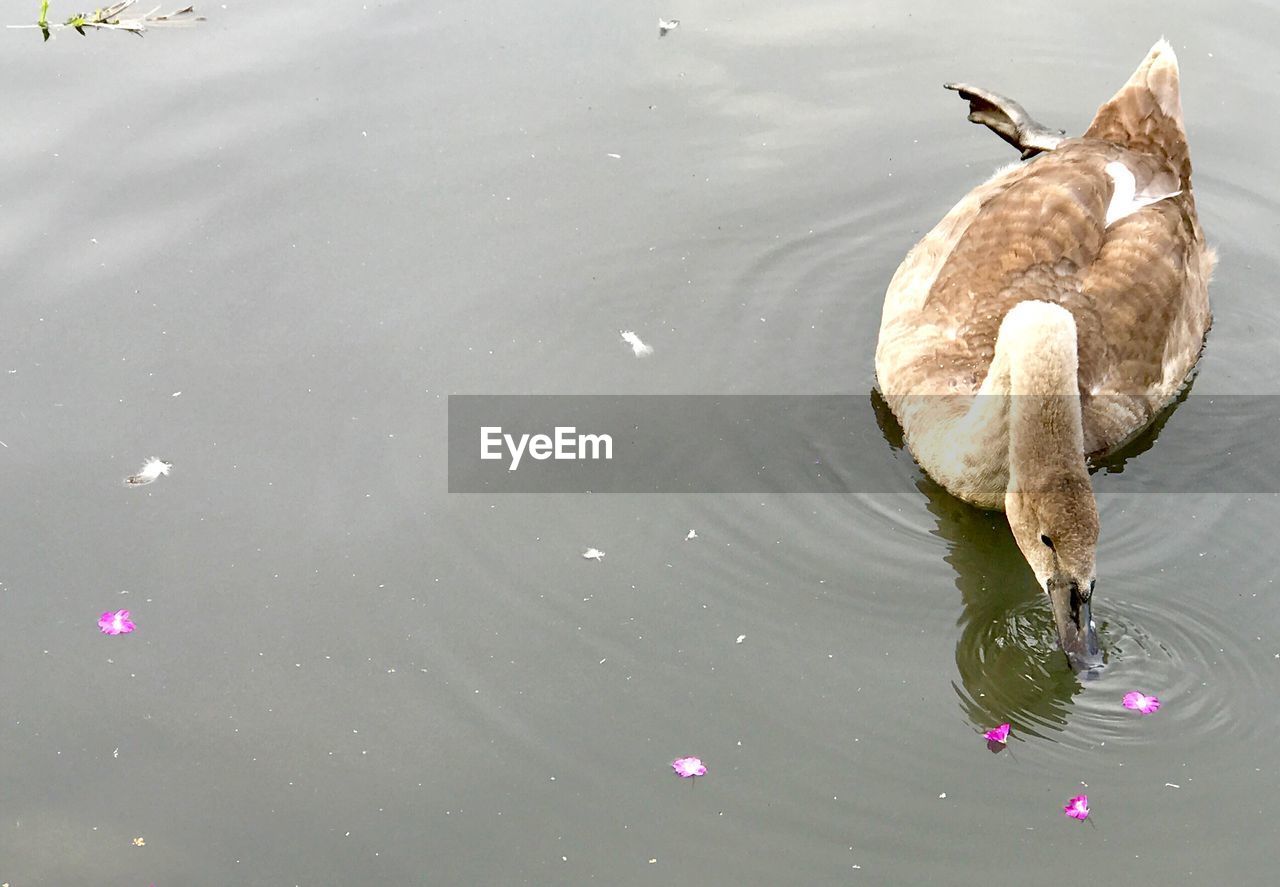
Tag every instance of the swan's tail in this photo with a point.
(1145, 115)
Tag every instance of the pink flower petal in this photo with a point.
(1140, 702)
(686, 768)
(116, 623)
(1077, 807)
(999, 734)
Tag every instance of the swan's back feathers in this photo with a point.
(1145, 115)
(1105, 226)
(1042, 232)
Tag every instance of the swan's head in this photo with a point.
(1056, 526)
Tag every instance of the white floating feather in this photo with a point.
(638, 348)
(593, 554)
(150, 470)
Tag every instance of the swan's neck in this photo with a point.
(1023, 429)
(1035, 373)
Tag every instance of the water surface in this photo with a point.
(317, 221)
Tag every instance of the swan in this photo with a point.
(1048, 318)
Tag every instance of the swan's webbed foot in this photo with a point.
(1009, 120)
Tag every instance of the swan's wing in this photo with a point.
(1024, 234)
(1134, 283)
(1144, 302)
(1145, 115)
(1027, 240)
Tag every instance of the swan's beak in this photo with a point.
(1073, 616)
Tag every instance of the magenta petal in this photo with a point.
(687, 768)
(1140, 702)
(999, 734)
(116, 623)
(1077, 807)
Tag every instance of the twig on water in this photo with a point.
(108, 19)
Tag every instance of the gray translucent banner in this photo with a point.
(806, 444)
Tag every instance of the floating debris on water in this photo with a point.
(116, 623)
(593, 554)
(139, 842)
(999, 735)
(109, 19)
(741, 638)
(1077, 807)
(639, 348)
(693, 534)
(688, 768)
(667, 25)
(1139, 702)
(152, 469)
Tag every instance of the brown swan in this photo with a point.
(1048, 318)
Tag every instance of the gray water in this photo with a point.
(268, 248)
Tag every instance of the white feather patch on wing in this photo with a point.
(1126, 199)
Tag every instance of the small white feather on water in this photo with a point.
(150, 470)
(593, 554)
(638, 348)
(665, 25)
(693, 534)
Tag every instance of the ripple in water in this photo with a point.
(1011, 670)
(1203, 675)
